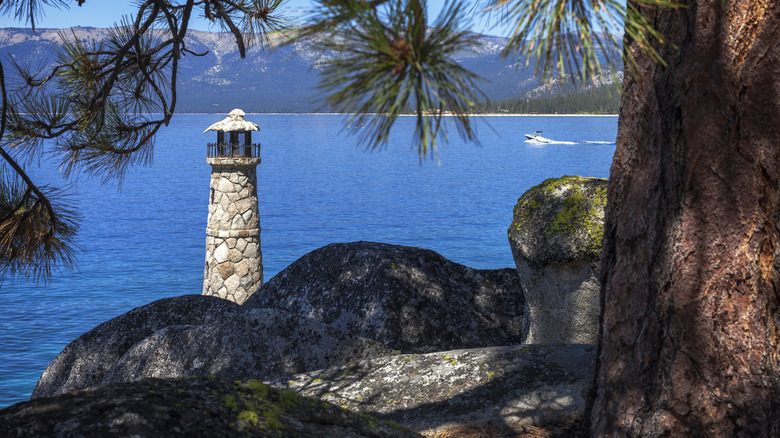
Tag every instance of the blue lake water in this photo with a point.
(145, 240)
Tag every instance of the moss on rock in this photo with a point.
(197, 407)
(559, 220)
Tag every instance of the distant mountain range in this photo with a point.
(283, 80)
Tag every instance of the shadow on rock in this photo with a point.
(498, 387)
(411, 299)
(85, 361)
(199, 336)
(192, 408)
(258, 344)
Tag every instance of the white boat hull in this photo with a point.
(538, 138)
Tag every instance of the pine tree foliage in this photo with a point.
(564, 36)
(99, 110)
(101, 106)
(387, 59)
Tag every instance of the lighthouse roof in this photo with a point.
(233, 122)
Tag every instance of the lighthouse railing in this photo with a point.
(228, 150)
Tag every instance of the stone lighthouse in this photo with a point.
(234, 263)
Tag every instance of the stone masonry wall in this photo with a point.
(234, 266)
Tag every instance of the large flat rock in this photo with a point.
(504, 388)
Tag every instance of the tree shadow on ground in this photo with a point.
(503, 388)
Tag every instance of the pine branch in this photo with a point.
(99, 108)
(36, 235)
(386, 59)
(564, 38)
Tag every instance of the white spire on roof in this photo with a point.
(234, 122)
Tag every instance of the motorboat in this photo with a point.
(537, 136)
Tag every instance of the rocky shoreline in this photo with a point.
(363, 336)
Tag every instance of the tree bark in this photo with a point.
(688, 344)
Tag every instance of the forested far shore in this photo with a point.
(598, 100)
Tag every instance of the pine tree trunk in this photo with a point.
(691, 260)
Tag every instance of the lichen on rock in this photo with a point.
(559, 220)
(556, 236)
(204, 407)
(507, 387)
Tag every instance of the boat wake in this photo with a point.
(550, 142)
(567, 142)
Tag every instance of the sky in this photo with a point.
(103, 13)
